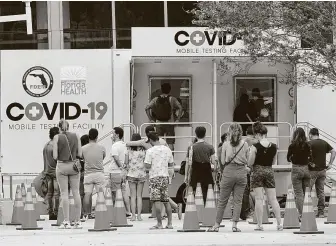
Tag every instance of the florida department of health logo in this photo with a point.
(37, 81)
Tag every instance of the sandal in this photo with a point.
(279, 228)
(259, 228)
(169, 227)
(235, 229)
(156, 227)
(213, 229)
(133, 218)
(139, 218)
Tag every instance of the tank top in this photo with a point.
(265, 155)
(63, 148)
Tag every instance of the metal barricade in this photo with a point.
(307, 126)
(134, 129)
(11, 175)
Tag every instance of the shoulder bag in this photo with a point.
(76, 164)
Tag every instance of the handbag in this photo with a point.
(41, 185)
(228, 162)
(76, 165)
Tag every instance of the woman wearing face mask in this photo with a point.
(261, 158)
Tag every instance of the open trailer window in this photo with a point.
(180, 88)
(260, 102)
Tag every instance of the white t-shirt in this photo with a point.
(159, 157)
(118, 149)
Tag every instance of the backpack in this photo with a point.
(162, 109)
(182, 168)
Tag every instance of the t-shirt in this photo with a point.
(298, 155)
(173, 102)
(147, 145)
(49, 162)
(93, 155)
(202, 152)
(118, 149)
(265, 155)
(319, 148)
(228, 152)
(159, 157)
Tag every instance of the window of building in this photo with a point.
(88, 25)
(136, 14)
(260, 102)
(180, 89)
(178, 13)
(13, 35)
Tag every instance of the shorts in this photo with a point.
(136, 180)
(96, 180)
(158, 189)
(114, 181)
(262, 177)
(167, 130)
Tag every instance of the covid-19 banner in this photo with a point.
(38, 88)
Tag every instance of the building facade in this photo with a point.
(87, 25)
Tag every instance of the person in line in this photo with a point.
(203, 155)
(50, 172)
(320, 149)
(234, 178)
(93, 155)
(299, 154)
(145, 143)
(162, 109)
(244, 112)
(116, 168)
(136, 176)
(84, 141)
(250, 139)
(261, 158)
(66, 149)
(219, 151)
(160, 162)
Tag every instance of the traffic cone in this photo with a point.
(119, 212)
(72, 209)
(191, 221)
(23, 192)
(29, 215)
(35, 203)
(102, 222)
(265, 214)
(109, 204)
(18, 208)
(60, 215)
(308, 221)
(41, 206)
(199, 202)
(216, 193)
(332, 206)
(228, 210)
(314, 198)
(210, 212)
(291, 218)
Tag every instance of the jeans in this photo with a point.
(66, 175)
(53, 194)
(300, 180)
(318, 179)
(234, 179)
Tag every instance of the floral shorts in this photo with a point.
(158, 189)
(262, 177)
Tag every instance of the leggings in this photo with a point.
(67, 176)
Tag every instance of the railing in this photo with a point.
(133, 128)
(18, 40)
(267, 124)
(11, 175)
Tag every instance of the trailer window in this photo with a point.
(180, 89)
(261, 93)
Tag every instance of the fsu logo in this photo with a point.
(37, 81)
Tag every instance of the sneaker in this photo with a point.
(77, 225)
(65, 225)
(85, 218)
(279, 228)
(320, 215)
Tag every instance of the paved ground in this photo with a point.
(140, 234)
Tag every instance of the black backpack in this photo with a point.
(162, 109)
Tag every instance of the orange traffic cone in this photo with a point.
(332, 206)
(199, 202)
(29, 215)
(216, 193)
(314, 198)
(308, 221)
(191, 221)
(228, 210)
(18, 208)
(72, 209)
(210, 212)
(35, 203)
(265, 214)
(109, 204)
(23, 192)
(119, 212)
(291, 218)
(102, 222)
(60, 215)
